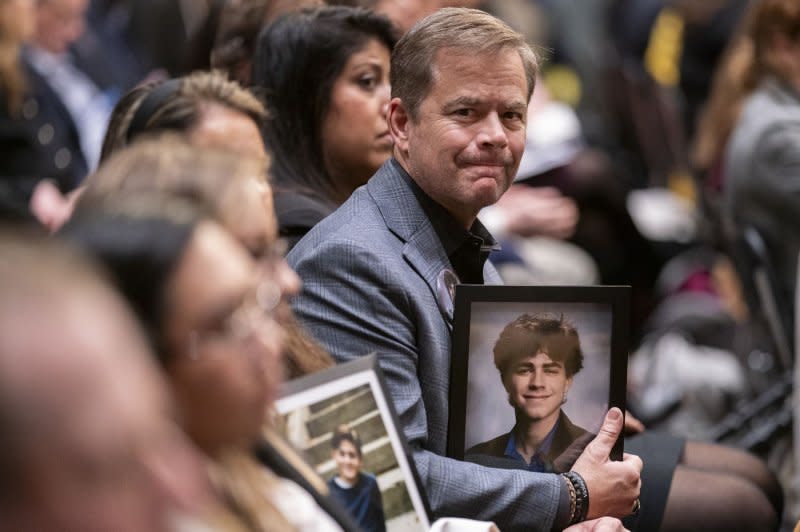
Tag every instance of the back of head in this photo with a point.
(239, 24)
(529, 334)
(298, 58)
(73, 370)
(168, 163)
(176, 105)
(766, 21)
(230, 187)
(460, 30)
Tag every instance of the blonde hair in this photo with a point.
(466, 30)
(170, 164)
(12, 78)
(178, 109)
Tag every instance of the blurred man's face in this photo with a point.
(59, 23)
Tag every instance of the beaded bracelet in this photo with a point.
(572, 497)
(581, 497)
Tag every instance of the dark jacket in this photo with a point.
(40, 141)
(569, 441)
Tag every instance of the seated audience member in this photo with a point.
(353, 488)
(85, 430)
(761, 159)
(537, 357)
(56, 131)
(461, 81)
(327, 105)
(239, 25)
(39, 141)
(205, 106)
(209, 313)
(235, 191)
(217, 114)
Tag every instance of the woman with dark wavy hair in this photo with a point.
(324, 76)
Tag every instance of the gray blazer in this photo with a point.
(369, 273)
(762, 174)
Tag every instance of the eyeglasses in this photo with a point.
(271, 255)
(254, 316)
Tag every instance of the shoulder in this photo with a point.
(368, 479)
(356, 229)
(293, 208)
(566, 424)
(493, 447)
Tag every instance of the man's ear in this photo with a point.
(399, 122)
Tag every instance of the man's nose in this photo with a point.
(493, 132)
(535, 380)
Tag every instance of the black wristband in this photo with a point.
(581, 496)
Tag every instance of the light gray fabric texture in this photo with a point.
(762, 175)
(369, 273)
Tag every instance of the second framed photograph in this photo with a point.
(345, 425)
(534, 370)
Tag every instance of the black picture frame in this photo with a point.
(354, 393)
(480, 410)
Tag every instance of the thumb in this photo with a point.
(601, 446)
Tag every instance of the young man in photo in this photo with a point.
(537, 357)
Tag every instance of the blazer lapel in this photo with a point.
(403, 215)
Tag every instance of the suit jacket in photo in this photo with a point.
(568, 442)
(370, 274)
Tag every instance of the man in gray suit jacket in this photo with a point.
(376, 270)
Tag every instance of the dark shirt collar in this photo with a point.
(467, 250)
(538, 462)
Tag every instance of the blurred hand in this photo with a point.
(632, 424)
(603, 524)
(50, 207)
(613, 486)
(538, 211)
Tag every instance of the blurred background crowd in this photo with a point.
(662, 152)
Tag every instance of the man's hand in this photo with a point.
(613, 486)
(603, 524)
(538, 211)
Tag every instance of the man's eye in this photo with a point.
(512, 115)
(463, 112)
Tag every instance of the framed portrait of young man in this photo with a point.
(343, 422)
(534, 369)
